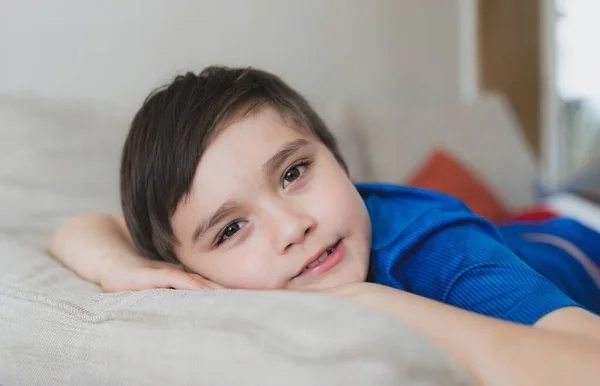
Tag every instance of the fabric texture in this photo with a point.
(430, 244)
(60, 330)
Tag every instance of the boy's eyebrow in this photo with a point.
(204, 225)
(269, 168)
(285, 152)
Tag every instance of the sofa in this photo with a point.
(60, 157)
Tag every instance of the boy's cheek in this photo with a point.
(252, 273)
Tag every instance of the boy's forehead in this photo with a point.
(254, 133)
(246, 144)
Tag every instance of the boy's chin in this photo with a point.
(331, 282)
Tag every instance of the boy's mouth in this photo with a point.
(324, 261)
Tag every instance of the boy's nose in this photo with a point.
(291, 228)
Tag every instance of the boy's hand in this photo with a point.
(147, 274)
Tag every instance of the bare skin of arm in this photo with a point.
(572, 320)
(99, 249)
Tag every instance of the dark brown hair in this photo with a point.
(171, 130)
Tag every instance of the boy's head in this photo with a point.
(232, 173)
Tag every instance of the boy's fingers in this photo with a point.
(204, 281)
(173, 278)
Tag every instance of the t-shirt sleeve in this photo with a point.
(465, 263)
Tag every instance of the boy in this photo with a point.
(230, 179)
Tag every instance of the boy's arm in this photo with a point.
(99, 249)
(91, 244)
(572, 320)
(492, 351)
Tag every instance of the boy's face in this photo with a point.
(267, 201)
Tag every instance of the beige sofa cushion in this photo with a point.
(59, 330)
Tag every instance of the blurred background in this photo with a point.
(431, 61)
(384, 50)
(574, 85)
(392, 51)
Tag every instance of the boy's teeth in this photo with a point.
(320, 259)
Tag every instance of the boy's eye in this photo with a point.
(230, 230)
(293, 173)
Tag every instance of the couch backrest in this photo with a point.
(482, 133)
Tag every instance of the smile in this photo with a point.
(328, 259)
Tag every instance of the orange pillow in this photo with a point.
(443, 173)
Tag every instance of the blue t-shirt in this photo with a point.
(563, 250)
(432, 245)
